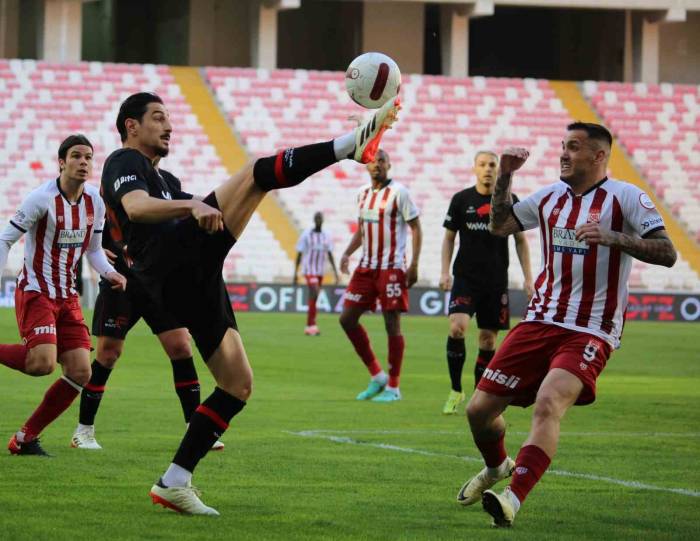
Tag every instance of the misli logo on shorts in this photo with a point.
(45, 329)
(502, 379)
(355, 297)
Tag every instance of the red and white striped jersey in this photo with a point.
(584, 287)
(314, 247)
(383, 215)
(57, 234)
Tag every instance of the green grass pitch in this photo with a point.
(306, 461)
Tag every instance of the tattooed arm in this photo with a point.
(656, 248)
(502, 222)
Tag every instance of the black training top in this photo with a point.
(151, 246)
(482, 258)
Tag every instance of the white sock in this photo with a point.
(176, 476)
(380, 377)
(344, 145)
(498, 471)
(20, 436)
(82, 428)
(514, 500)
(392, 389)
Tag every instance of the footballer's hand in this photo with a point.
(345, 264)
(111, 256)
(592, 233)
(117, 280)
(411, 276)
(208, 218)
(513, 159)
(446, 282)
(529, 288)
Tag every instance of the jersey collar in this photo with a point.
(589, 190)
(388, 183)
(80, 197)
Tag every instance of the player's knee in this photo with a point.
(457, 331)
(109, 355)
(180, 350)
(487, 341)
(477, 414)
(79, 374)
(547, 406)
(348, 321)
(40, 364)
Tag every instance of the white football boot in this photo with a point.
(471, 491)
(183, 500)
(502, 507)
(369, 134)
(84, 438)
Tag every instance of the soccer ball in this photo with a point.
(372, 79)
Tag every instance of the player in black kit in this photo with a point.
(178, 245)
(480, 274)
(116, 312)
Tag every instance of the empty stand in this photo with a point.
(443, 123)
(41, 103)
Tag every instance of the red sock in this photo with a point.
(494, 452)
(56, 400)
(530, 465)
(13, 356)
(360, 341)
(396, 347)
(311, 314)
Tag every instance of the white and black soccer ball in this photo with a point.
(372, 79)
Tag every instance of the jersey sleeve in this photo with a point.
(640, 212)
(125, 173)
(407, 208)
(302, 242)
(30, 212)
(452, 215)
(526, 212)
(329, 244)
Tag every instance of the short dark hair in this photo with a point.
(71, 141)
(596, 132)
(134, 106)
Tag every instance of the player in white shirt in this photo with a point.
(62, 220)
(386, 213)
(590, 227)
(313, 246)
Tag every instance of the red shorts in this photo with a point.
(313, 280)
(532, 349)
(42, 320)
(387, 285)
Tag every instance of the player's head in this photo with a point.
(318, 219)
(379, 167)
(75, 157)
(485, 170)
(144, 122)
(585, 152)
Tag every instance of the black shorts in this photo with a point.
(194, 291)
(116, 312)
(490, 305)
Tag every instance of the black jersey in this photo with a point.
(151, 246)
(482, 258)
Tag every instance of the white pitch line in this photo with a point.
(516, 432)
(323, 434)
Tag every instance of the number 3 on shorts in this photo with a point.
(393, 290)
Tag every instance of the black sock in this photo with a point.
(92, 393)
(186, 385)
(456, 354)
(292, 166)
(482, 361)
(209, 421)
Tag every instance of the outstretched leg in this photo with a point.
(238, 197)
